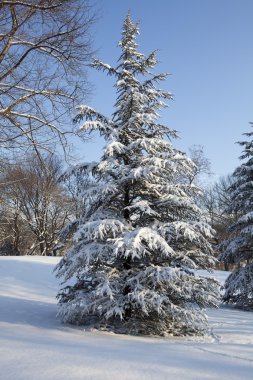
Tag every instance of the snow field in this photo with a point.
(35, 346)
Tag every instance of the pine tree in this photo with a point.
(141, 236)
(238, 250)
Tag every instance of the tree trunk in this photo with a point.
(127, 263)
(42, 248)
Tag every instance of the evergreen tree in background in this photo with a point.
(141, 236)
(238, 250)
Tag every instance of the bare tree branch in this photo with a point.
(45, 46)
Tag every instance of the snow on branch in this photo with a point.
(84, 168)
(100, 230)
(89, 113)
(97, 64)
(142, 242)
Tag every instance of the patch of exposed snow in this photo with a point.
(35, 346)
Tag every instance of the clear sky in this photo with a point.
(207, 47)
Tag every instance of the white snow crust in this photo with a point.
(35, 346)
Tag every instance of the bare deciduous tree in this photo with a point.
(216, 202)
(44, 45)
(202, 163)
(34, 205)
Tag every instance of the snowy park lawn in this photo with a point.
(35, 346)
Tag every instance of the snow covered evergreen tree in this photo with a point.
(238, 250)
(141, 236)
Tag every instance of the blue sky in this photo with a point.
(207, 47)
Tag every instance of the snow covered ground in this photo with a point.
(35, 346)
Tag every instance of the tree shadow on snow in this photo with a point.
(28, 312)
